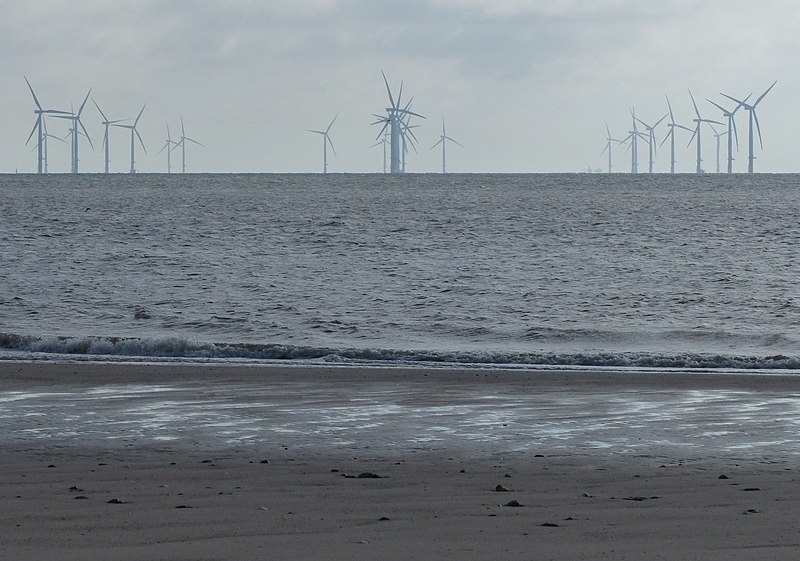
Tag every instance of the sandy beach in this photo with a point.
(189, 462)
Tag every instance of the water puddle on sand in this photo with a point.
(327, 416)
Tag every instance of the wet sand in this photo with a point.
(209, 462)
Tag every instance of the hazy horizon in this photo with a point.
(524, 85)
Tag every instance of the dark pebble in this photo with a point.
(368, 475)
(264, 461)
(116, 502)
(751, 489)
(83, 497)
(550, 525)
(501, 489)
(722, 477)
(515, 502)
(383, 519)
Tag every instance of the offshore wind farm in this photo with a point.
(398, 138)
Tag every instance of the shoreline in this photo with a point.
(143, 462)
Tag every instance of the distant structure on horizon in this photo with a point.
(443, 138)
(401, 134)
(326, 140)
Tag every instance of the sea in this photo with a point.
(552, 271)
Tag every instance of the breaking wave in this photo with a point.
(26, 347)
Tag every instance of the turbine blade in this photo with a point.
(78, 122)
(35, 99)
(35, 126)
(763, 95)
(696, 110)
(135, 122)
(100, 110)
(735, 134)
(84, 102)
(389, 90)
(671, 117)
(329, 126)
(718, 106)
(140, 140)
(758, 128)
(328, 138)
(437, 143)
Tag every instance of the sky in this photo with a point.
(523, 85)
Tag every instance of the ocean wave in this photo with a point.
(178, 349)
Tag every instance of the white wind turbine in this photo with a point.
(718, 136)
(395, 121)
(383, 142)
(326, 139)
(106, 123)
(443, 141)
(134, 135)
(751, 108)
(182, 143)
(45, 138)
(39, 126)
(732, 132)
(696, 134)
(609, 140)
(671, 135)
(651, 139)
(633, 136)
(75, 132)
(169, 146)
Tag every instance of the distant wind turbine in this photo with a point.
(398, 127)
(751, 108)
(633, 136)
(718, 136)
(45, 138)
(326, 140)
(671, 135)
(609, 140)
(651, 139)
(696, 134)
(383, 142)
(732, 132)
(134, 135)
(76, 132)
(169, 146)
(443, 141)
(106, 123)
(182, 143)
(39, 126)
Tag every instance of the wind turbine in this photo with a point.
(383, 141)
(398, 126)
(651, 139)
(106, 124)
(134, 133)
(45, 136)
(182, 143)
(609, 140)
(443, 141)
(751, 108)
(633, 137)
(696, 134)
(169, 146)
(671, 135)
(732, 132)
(326, 139)
(40, 126)
(717, 136)
(75, 131)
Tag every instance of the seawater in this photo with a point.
(567, 270)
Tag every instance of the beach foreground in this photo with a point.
(146, 462)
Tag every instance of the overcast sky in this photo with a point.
(524, 85)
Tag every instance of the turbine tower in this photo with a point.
(443, 141)
(106, 123)
(696, 134)
(169, 146)
(651, 139)
(609, 140)
(732, 132)
(398, 126)
(45, 138)
(182, 143)
(326, 139)
(40, 127)
(671, 135)
(751, 108)
(134, 133)
(75, 131)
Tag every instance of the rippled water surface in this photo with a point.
(483, 267)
